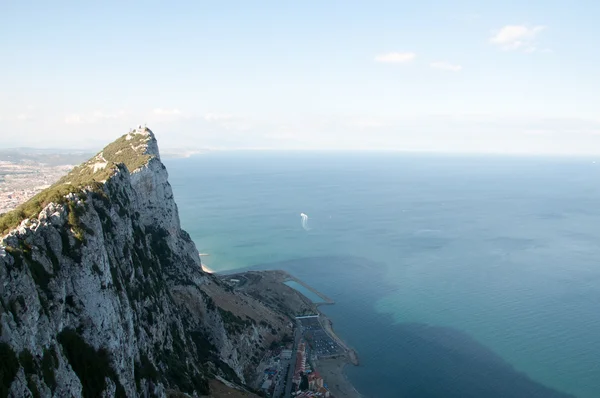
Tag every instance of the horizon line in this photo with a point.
(203, 151)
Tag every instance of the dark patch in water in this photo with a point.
(245, 244)
(512, 244)
(422, 243)
(406, 359)
(441, 362)
(551, 216)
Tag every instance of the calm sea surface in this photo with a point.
(452, 276)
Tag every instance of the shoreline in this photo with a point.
(206, 269)
(331, 369)
(334, 375)
(327, 325)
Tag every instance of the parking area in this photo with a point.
(321, 343)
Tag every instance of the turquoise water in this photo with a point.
(306, 292)
(452, 276)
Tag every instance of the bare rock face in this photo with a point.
(102, 294)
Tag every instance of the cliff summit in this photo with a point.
(102, 292)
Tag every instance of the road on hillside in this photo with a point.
(297, 337)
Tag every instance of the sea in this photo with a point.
(453, 276)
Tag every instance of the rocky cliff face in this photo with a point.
(102, 292)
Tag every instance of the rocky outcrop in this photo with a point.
(102, 292)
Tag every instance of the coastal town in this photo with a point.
(311, 363)
(292, 369)
(26, 172)
(20, 181)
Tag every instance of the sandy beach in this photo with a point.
(332, 371)
(206, 269)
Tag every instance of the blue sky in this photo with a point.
(460, 76)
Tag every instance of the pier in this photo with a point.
(324, 299)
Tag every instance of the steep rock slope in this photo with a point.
(102, 292)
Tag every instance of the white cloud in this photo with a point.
(454, 132)
(216, 117)
(230, 122)
(517, 37)
(445, 66)
(93, 117)
(283, 135)
(73, 119)
(24, 117)
(166, 112)
(396, 58)
(466, 17)
(366, 123)
(99, 115)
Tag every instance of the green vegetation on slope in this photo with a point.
(128, 152)
(89, 174)
(233, 323)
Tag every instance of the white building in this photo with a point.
(266, 385)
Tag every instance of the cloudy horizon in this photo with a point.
(515, 79)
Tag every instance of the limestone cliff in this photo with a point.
(102, 292)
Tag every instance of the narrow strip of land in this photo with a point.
(326, 300)
(314, 349)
